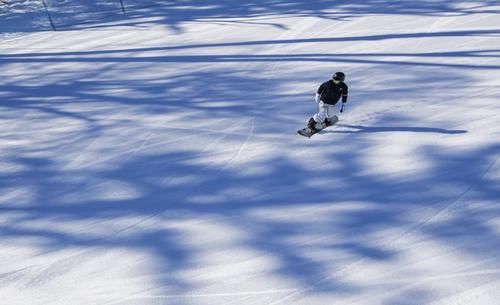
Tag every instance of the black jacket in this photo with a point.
(330, 92)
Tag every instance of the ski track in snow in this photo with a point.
(130, 153)
(69, 260)
(344, 270)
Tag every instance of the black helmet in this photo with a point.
(338, 77)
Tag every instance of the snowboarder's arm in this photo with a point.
(321, 89)
(345, 92)
(319, 93)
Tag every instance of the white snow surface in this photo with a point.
(149, 155)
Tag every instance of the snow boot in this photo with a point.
(312, 125)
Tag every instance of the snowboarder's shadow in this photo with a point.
(369, 129)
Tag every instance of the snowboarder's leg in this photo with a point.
(331, 117)
(320, 117)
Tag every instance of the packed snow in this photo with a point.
(149, 154)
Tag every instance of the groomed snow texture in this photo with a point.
(149, 155)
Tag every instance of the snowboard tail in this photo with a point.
(307, 132)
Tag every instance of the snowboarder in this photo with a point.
(327, 97)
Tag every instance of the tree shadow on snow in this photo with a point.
(174, 14)
(360, 128)
(150, 165)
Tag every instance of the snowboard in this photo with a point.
(307, 132)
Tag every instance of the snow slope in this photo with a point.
(150, 156)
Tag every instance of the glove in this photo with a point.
(342, 108)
